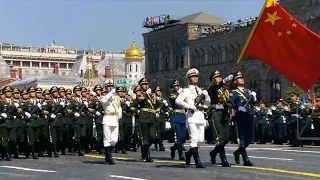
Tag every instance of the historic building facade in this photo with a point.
(171, 51)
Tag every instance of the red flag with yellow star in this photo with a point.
(286, 45)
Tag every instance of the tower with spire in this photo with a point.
(89, 79)
(133, 67)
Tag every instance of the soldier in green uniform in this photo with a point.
(278, 116)
(134, 107)
(68, 133)
(76, 108)
(29, 112)
(8, 110)
(295, 110)
(162, 111)
(125, 123)
(86, 120)
(147, 118)
(19, 124)
(43, 125)
(97, 106)
(220, 105)
(64, 121)
(263, 114)
(305, 119)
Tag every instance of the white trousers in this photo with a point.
(110, 135)
(196, 134)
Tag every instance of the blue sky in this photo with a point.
(102, 24)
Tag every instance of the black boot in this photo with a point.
(197, 158)
(124, 147)
(173, 151)
(147, 153)
(156, 146)
(179, 148)
(224, 161)
(108, 151)
(214, 153)
(80, 152)
(55, 151)
(237, 155)
(246, 161)
(143, 152)
(34, 153)
(7, 153)
(106, 155)
(161, 147)
(188, 155)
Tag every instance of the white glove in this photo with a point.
(62, 103)
(113, 91)
(44, 103)
(46, 117)
(286, 108)
(39, 105)
(241, 108)
(14, 117)
(258, 109)
(27, 114)
(128, 103)
(254, 94)
(269, 112)
(205, 106)
(228, 78)
(302, 107)
(98, 113)
(180, 90)
(4, 115)
(157, 114)
(273, 108)
(76, 114)
(16, 105)
(53, 116)
(85, 103)
(120, 116)
(149, 91)
(191, 107)
(165, 103)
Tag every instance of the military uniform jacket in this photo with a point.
(31, 108)
(240, 98)
(295, 109)
(178, 112)
(18, 120)
(9, 109)
(53, 107)
(126, 113)
(262, 116)
(97, 106)
(112, 109)
(278, 115)
(77, 106)
(147, 108)
(161, 109)
(134, 108)
(187, 97)
(306, 113)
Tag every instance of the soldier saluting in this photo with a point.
(195, 115)
(220, 104)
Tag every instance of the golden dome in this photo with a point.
(89, 57)
(133, 52)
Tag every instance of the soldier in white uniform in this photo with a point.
(195, 115)
(112, 113)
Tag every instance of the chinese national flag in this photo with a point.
(286, 45)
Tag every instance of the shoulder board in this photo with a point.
(3, 100)
(50, 100)
(173, 96)
(141, 97)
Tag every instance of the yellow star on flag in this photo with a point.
(271, 3)
(294, 25)
(272, 18)
(279, 34)
(289, 32)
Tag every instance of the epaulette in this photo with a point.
(173, 96)
(50, 100)
(1, 100)
(141, 97)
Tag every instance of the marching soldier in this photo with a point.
(75, 109)
(220, 104)
(112, 113)
(162, 111)
(243, 117)
(87, 120)
(19, 124)
(98, 118)
(147, 118)
(195, 115)
(8, 110)
(68, 133)
(134, 107)
(43, 125)
(64, 120)
(29, 110)
(178, 121)
(125, 123)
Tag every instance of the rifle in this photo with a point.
(250, 97)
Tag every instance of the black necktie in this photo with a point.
(197, 90)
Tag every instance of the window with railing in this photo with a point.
(25, 64)
(45, 64)
(35, 64)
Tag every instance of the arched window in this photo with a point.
(277, 89)
(272, 98)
